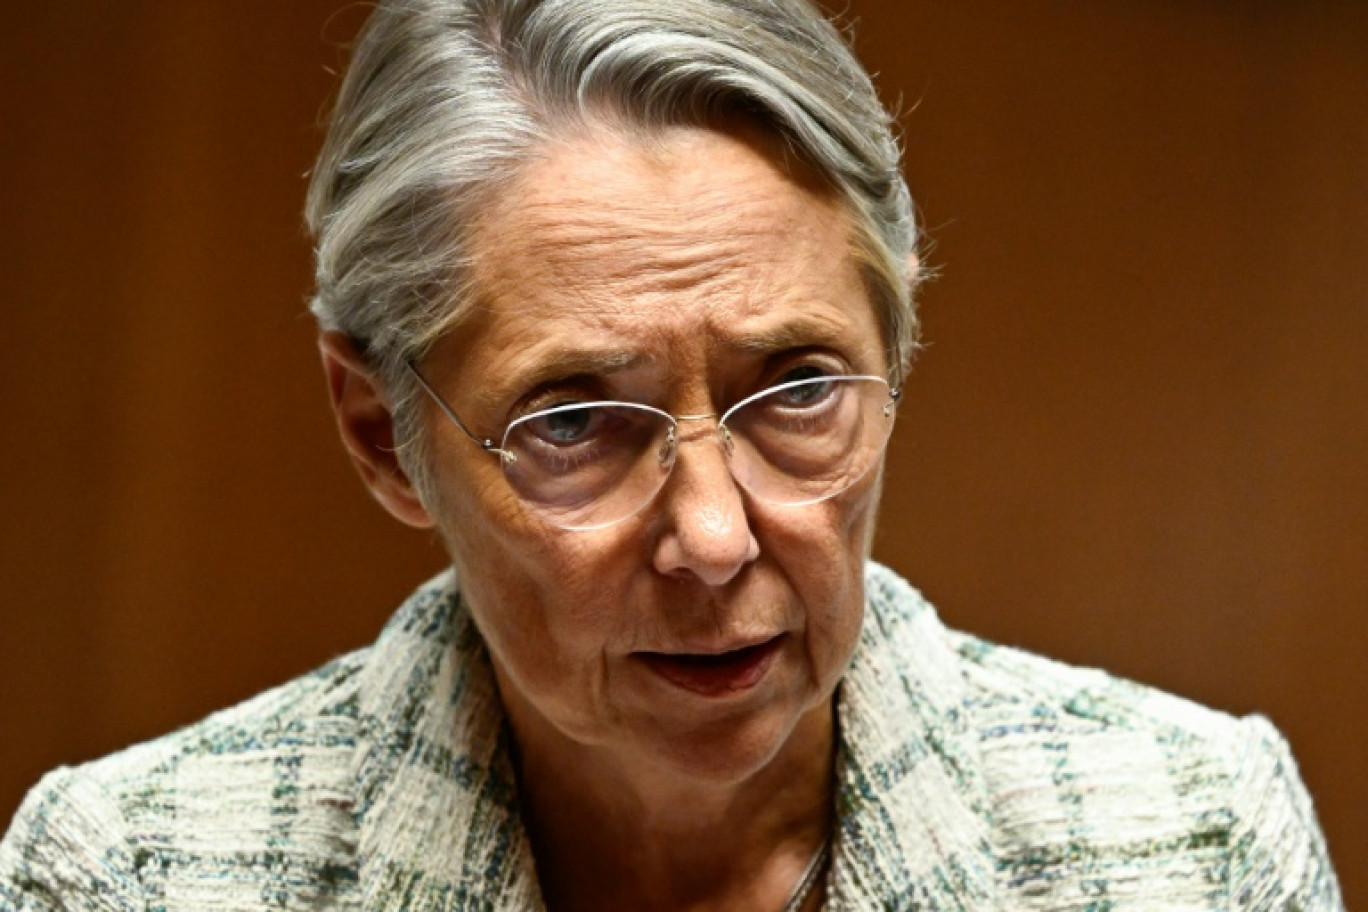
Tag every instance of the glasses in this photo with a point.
(587, 465)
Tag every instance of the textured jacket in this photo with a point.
(969, 777)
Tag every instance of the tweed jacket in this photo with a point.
(970, 777)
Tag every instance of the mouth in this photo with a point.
(714, 674)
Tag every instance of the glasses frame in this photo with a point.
(506, 457)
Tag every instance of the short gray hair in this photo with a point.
(445, 100)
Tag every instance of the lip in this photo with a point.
(719, 674)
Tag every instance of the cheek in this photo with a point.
(828, 542)
(545, 600)
(834, 624)
(544, 635)
(821, 551)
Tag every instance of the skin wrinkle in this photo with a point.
(664, 231)
(701, 568)
(668, 263)
(706, 271)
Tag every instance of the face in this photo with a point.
(700, 634)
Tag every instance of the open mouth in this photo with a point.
(717, 674)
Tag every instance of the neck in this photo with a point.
(608, 834)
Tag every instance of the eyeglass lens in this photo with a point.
(591, 465)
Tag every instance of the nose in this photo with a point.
(706, 534)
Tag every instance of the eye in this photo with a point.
(564, 425)
(807, 386)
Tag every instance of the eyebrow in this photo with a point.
(559, 365)
(802, 334)
(566, 363)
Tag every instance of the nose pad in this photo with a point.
(668, 448)
(724, 437)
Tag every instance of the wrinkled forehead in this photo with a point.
(693, 224)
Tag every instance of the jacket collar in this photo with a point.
(912, 806)
(436, 798)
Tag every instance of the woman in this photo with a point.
(616, 298)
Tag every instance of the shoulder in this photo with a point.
(255, 806)
(1116, 782)
(273, 771)
(312, 717)
(1093, 782)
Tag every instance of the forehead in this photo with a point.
(680, 248)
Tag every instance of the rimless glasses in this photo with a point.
(586, 465)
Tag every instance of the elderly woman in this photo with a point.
(615, 296)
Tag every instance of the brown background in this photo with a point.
(1136, 440)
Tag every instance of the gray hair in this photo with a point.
(445, 100)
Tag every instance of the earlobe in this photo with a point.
(366, 425)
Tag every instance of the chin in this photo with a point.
(737, 747)
(727, 758)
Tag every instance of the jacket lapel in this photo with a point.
(912, 804)
(436, 800)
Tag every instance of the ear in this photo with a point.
(366, 424)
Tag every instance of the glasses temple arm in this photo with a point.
(484, 442)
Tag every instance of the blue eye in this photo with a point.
(807, 393)
(568, 426)
(809, 387)
(564, 425)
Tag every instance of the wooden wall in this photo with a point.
(1136, 439)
